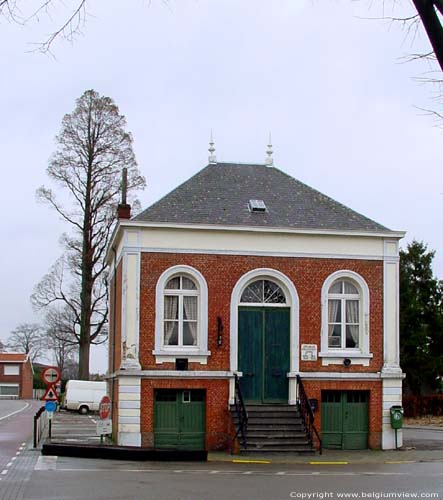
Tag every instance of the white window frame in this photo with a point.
(167, 353)
(15, 369)
(336, 355)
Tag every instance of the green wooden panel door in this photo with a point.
(356, 421)
(276, 362)
(250, 353)
(179, 419)
(263, 353)
(344, 419)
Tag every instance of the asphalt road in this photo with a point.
(69, 479)
(423, 439)
(16, 424)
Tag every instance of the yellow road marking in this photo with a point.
(251, 461)
(328, 463)
(400, 462)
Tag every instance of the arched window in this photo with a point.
(263, 292)
(345, 318)
(344, 304)
(180, 312)
(181, 324)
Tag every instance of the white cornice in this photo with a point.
(256, 229)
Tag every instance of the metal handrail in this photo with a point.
(40, 423)
(307, 414)
(241, 412)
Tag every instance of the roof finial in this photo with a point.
(211, 149)
(269, 160)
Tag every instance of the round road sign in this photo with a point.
(104, 409)
(51, 375)
(50, 406)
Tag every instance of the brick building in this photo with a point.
(15, 376)
(243, 270)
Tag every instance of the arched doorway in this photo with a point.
(264, 319)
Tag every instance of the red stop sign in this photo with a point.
(104, 408)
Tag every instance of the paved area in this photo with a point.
(56, 478)
(71, 427)
(16, 426)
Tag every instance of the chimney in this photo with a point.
(124, 209)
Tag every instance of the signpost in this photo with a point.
(51, 376)
(104, 425)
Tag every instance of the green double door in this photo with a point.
(263, 353)
(344, 419)
(179, 419)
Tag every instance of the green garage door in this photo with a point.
(179, 419)
(344, 419)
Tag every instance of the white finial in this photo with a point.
(211, 149)
(269, 160)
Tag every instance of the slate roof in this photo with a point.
(219, 195)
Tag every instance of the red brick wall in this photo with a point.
(217, 413)
(222, 273)
(24, 379)
(314, 388)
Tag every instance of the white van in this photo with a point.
(83, 396)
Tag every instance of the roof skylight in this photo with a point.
(257, 206)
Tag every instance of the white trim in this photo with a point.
(363, 350)
(337, 375)
(180, 374)
(260, 229)
(292, 302)
(248, 253)
(202, 345)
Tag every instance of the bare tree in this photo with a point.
(93, 148)
(21, 13)
(61, 336)
(28, 338)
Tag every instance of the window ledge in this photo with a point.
(345, 354)
(169, 356)
(336, 358)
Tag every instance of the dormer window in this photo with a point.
(257, 206)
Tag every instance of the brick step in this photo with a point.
(262, 434)
(287, 429)
(273, 421)
(277, 443)
(293, 451)
(271, 409)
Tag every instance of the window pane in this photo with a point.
(190, 305)
(171, 307)
(350, 288)
(334, 339)
(336, 287)
(334, 311)
(273, 294)
(173, 284)
(190, 333)
(188, 284)
(171, 332)
(9, 390)
(253, 293)
(12, 370)
(352, 307)
(352, 334)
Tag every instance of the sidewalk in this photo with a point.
(334, 457)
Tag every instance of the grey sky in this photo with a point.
(327, 83)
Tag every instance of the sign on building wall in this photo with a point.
(309, 352)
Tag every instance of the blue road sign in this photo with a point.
(50, 406)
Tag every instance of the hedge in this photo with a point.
(418, 406)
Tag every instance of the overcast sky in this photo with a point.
(327, 81)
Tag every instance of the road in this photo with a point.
(16, 421)
(73, 479)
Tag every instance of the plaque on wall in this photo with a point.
(309, 352)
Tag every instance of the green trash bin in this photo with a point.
(396, 417)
